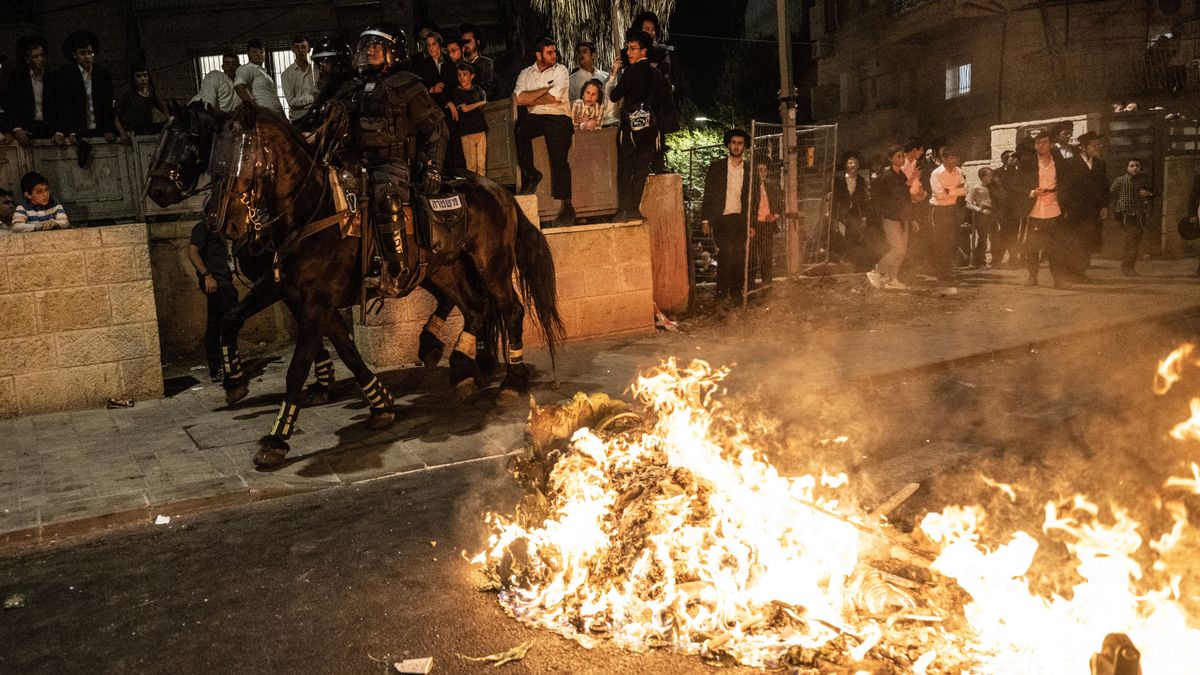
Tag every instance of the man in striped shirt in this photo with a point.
(38, 211)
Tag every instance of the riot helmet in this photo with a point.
(333, 50)
(381, 48)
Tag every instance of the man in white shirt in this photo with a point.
(216, 89)
(252, 83)
(947, 186)
(542, 91)
(585, 56)
(299, 81)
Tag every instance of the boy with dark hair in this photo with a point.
(1132, 195)
(210, 258)
(723, 214)
(30, 104)
(467, 107)
(639, 90)
(38, 210)
(84, 92)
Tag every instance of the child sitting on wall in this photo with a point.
(38, 210)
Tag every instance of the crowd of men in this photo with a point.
(1046, 201)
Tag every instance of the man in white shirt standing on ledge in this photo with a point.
(542, 90)
(299, 81)
(216, 89)
(252, 82)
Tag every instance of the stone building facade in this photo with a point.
(890, 69)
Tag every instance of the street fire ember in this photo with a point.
(667, 527)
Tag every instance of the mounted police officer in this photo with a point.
(394, 125)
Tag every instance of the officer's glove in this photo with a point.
(431, 179)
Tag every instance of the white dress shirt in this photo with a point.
(299, 89)
(260, 84)
(733, 186)
(216, 89)
(581, 77)
(555, 77)
(87, 88)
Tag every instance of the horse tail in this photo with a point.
(535, 274)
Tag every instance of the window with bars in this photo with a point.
(958, 79)
(277, 61)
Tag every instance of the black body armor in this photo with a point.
(391, 114)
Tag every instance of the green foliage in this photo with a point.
(689, 152)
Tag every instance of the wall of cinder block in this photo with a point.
(79, 324)
(605, 287)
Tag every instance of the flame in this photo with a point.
(1189, 429)
(1170, 369)
(683, 535)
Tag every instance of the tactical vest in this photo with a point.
(382, 126)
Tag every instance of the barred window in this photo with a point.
(958, 79)
(277, 61)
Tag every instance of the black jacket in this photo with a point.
(1027, 181)
(1194, 198)
(890, 197)
(72, 98)
(19, 104)
(713, 205)
(846, 205)
(640, 84)
(1085, 191)
(428, 71)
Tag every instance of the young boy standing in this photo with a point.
(38, 210)
(1131, 195)
(466, 106)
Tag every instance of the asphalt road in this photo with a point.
(325, 582)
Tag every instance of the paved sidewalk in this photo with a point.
(67, 473)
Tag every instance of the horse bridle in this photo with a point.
(173, 172)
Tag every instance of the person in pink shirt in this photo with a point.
(948, 186)
(1038, 187)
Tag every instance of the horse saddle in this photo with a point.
(440, 220)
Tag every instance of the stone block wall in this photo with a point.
(182, 308)
(79, 319)
(605, 287)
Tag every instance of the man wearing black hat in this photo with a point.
(1085, 199)
(84, 93)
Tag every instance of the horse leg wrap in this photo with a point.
(286, 421)
(324, 372)
(516, 355)
(465, 345)
(232, 361)
(435, 324)
(377, 396)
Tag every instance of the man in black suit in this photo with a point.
(1038, 196)
(723, 213)
(640, 89)
(85, 93)
(30, 104)
(1085, 199)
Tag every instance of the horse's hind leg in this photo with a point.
(512, 313)
(429, 345)
(382, 413)
(262, 295)
(464, 369)
(273, 447)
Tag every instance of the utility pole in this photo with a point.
(787, 113)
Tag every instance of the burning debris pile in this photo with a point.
(666, 527)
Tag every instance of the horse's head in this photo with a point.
(241, 172)
(181, 155)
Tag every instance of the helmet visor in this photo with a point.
(374, 52)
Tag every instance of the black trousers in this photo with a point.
(558, 131)
(1047, 235)
(635, 151)
(947, 226)
(762, 252)
(1133, 227)
(219, 303)
(729, 231)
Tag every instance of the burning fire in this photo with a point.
(679, 533)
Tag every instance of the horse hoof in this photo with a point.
(381, 420)
(271, 452)
(235, 392)
(507, 398)
(317, 396)
(465, 388)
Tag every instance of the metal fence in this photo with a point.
(702, 250)
(770, 234)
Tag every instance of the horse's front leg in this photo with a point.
(380, 400)
(273, 447)
(429, 345)
(262, 295)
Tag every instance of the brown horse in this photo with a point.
(275, 188)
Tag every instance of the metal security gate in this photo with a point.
(776, 242)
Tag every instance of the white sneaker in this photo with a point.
(895, 285)
(875, 278)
